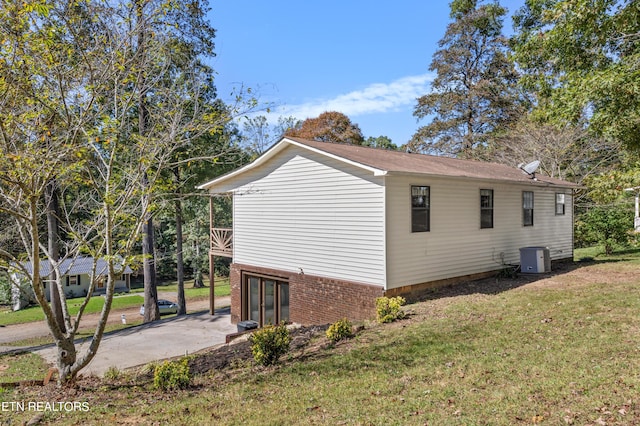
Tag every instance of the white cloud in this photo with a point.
(376, 98)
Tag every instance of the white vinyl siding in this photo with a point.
(455, 245)
(304, 212)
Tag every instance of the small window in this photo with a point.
(419, 209)
(560, 204)
(527, 208)
(486, 208)
(73, 280)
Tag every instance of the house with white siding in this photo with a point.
(320, 230)
(76, 280)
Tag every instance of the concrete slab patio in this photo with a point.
(154, 341)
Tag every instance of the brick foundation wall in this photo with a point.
(321, 300)
(313, 299)
(416, 292)
(234, 285)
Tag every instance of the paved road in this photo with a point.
(17, 332)
(138, 345)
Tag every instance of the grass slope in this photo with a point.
(558, 349)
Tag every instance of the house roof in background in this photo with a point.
(77, 266)
(386, 162)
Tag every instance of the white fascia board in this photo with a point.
(532, 182)
(269, 153)
(276, 148)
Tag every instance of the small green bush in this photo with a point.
(269, 343)
(171, 375)
(339, 330)
(389, 309)
(608, 226)
(112, 373)
(5, 289)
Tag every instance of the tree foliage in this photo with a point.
(568, 152)
(382, 142)
(474, 93)
(609, 226)
(71, 78)
(581, 60)
(330, 126)
(258, 134)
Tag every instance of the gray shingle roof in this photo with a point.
(386, 162)
(77, 266)
(402, 162)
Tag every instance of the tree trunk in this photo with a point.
(151, 312)
(53, 235)
(197, 270)
(197, 279)
(182, 303)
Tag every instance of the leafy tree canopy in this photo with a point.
(474, 93)
(330, 126)
(383, 142)
(581, 58)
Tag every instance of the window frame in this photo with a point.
(279, 284)
(484, 209)
(563, 203)
(421, 212)
(527, 212)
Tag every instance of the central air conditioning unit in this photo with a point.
(535, 260)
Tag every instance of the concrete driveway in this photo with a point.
(162, 339)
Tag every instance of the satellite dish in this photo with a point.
(530, 168)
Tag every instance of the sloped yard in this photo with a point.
(562, 348)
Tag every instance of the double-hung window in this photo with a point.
(560, 202)
(527, 208)
(486, 208)
(420, 208)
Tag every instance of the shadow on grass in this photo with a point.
(503, 282)
(500, 282)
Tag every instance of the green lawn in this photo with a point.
(555, 350)
(34, 313)
(222, 288)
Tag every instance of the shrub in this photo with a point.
(268, 344)
(171, 375)
(389, 309)
(112, 373)
(339, 330)
(607, 226)
(5, 289)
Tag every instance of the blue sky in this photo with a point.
(367, 59)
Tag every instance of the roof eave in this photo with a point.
(484, 179)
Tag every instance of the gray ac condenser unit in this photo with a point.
(535, 260)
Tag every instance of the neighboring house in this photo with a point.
(76, 280)
(321, 230)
